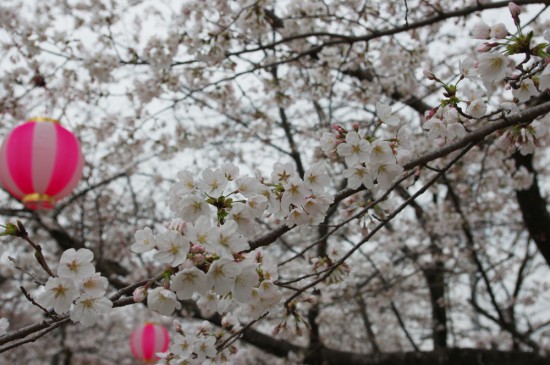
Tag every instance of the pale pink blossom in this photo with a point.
(172, 248)
(162, 301)
(477, 109)
(144, 241)
(88, 308)
(95, 285)
(76, 264)
(526, 90)
(492, 66)
(221, 275)
(60, 293)
(355, 150)
(188, 281)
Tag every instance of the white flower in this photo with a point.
(525, 91)
(295, 193)
(403, 156)
(385, 114)
(76, 264)
(208, 304)
(257, 204)
(242, 215)
(477, 109)
(492, 66)
(387, 174)
(185, 185)
(213, 182)
(172, 248)
(230, 171)
(145, 241)
(188, 281)
(248, 186)
(455, 131)
(221, 275)
(191, 207)
(205, 347)
(60, 293)
(328, 143)
(88, 308)
(466, 67)
(202, 232)
(546, 35)
(282, 173)
(355, 150)
(404, 137)
(94, 285)
(227, 241)
(162, 301)
(358, 175)
(481, 31)
(182, 346)
(4, 324)
(381, 153)
(265, 296)
(436, 129)
(297, 216)
(315, 178)
(244, 283)
(499, 31)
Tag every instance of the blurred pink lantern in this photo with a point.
(40, 163)
(147, 340)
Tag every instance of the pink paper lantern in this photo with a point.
(147, 340)
(40, 163)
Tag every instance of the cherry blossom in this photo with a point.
(59, 293)
(145, 241)
(189, 281)
(162, 301)
(525, 91)
(88, 307)
(172, 248)
(76, 264)
(492, 66)
(355, 150)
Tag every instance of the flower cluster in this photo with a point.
(77, 289)
(209, 262)
(522, 138)
(444, 125)
(210, 271)
(371, 163)
(495, 65)
(200, 347)
(241, 199)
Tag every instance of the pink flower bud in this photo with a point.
(196, 249)
(199, 259)
(177, 326)
(486, 47)
(139, 294)
(515, 9)
(429, 75)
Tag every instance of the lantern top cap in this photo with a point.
(44, 119)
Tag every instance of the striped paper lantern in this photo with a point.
(147, 340)
(40, 163)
